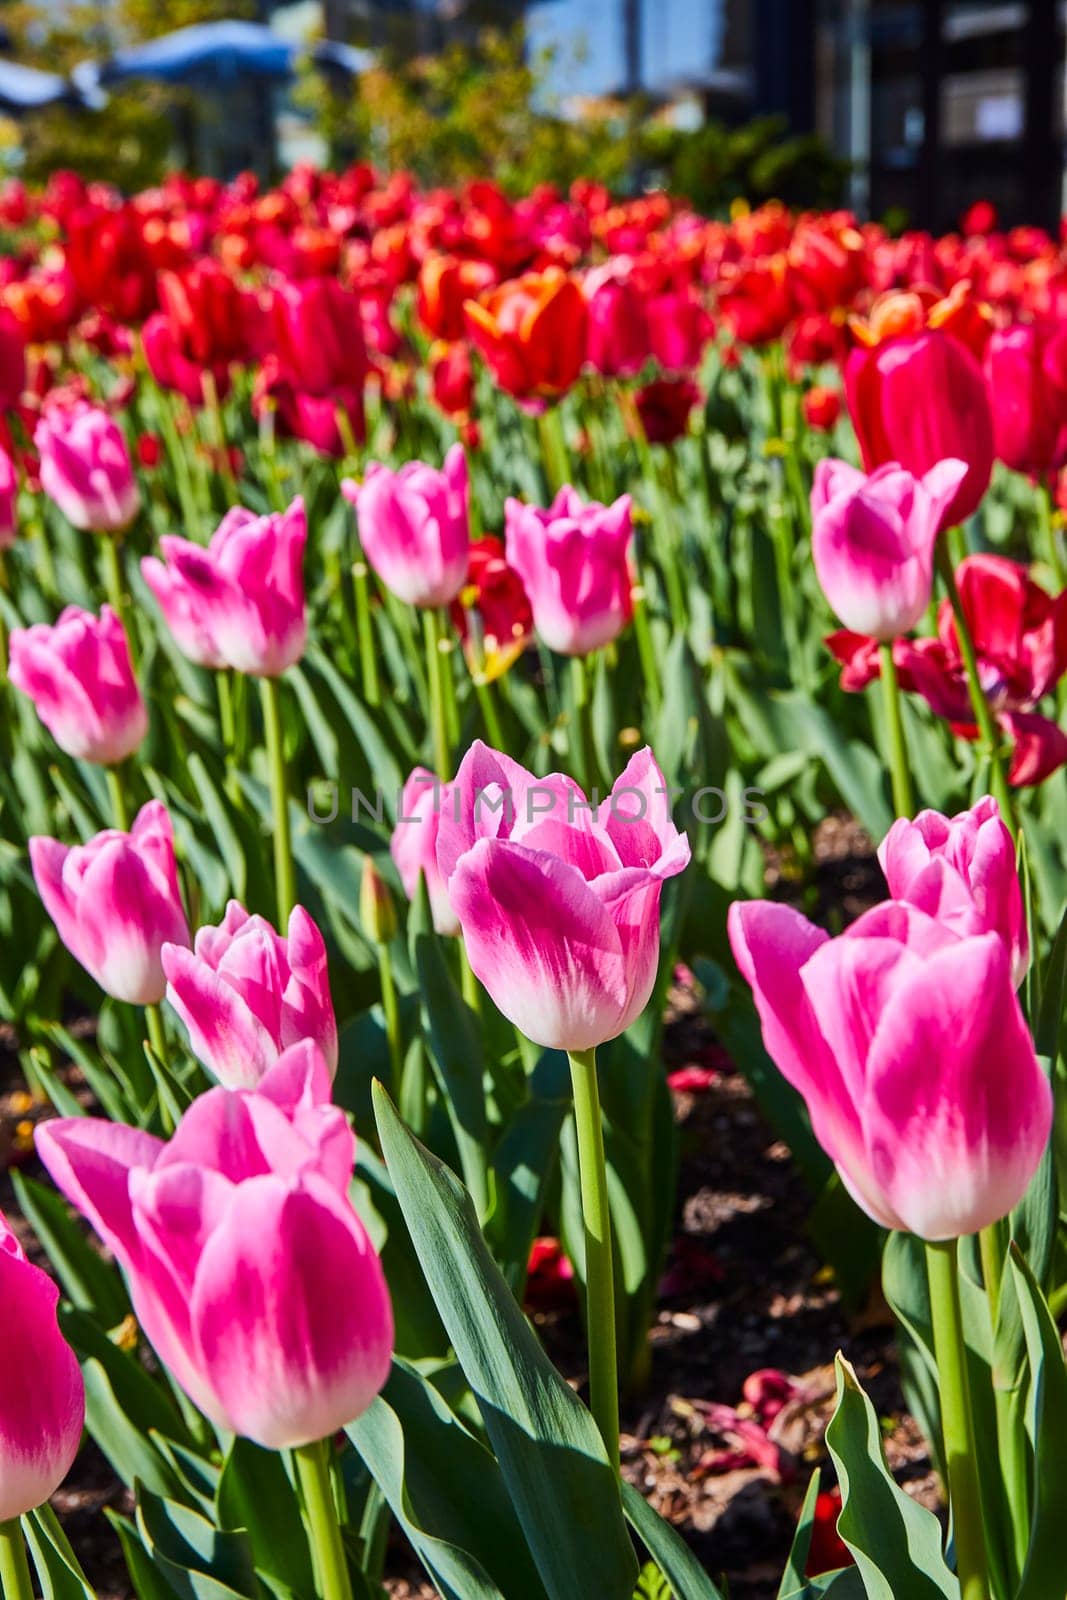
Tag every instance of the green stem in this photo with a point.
(903, 798)
(438, 718)
(445, 645)
(368, 660)
(553, 449)
(157, 1037)
(469, 984)
(599, 1270)
(14, 1568)
(957, 1423)
(320, 1517)
(646, 649)
(46, 567)
(115, 583)
(1011, 1438)
(117, 794)
(487, 705)
(223, 465)
(583, 753)
(983, 714)
(663, 515)
(391, 1009)
(284, 875)
(1046, 522)
(224, 683)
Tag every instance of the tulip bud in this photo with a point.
(79, 675)
(115, 903)
(377, 913)
(907, 1042)
(9, 494)
(920, 398)
(873, 541)
(414, 527)
(573, 560)
(86, 467)
(240, 602)
(246, 993)
(559, 901)
(961, 870)
(413, 846)
(42, 1396)
(249, 1270)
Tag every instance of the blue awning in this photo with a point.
(212, 53)
(26, 89)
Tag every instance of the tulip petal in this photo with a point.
(90, 1161)
(282, 1373)
(959, 1110)
(542, 942)
(223, 1033)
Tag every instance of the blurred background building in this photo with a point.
(910, 109)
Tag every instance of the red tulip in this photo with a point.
(12, 360)
(664, 406)
(492, 614)
(531, 333)
(821, 407)
(920, 398)
(445, 283)
(452, 379)
(1020, 639)
(1027, 370)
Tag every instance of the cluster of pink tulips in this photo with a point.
(522, 529)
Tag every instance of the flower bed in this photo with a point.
(443, 637)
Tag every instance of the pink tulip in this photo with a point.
(559, 901)
(414, 844)
(962, 871)
(79, 675)
(240, 602)
(9, 495)
(873, 541)
(573, 562)
(909, 1047)
(414, 527)
(246, 994)
(86, 467)
(42, 1396)
(115, 903)
(249, 1270)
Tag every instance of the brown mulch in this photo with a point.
(744, 1291)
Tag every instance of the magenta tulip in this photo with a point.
(414, 527)
(249, 1270)
(240, 602)
(414, 844)
(920, 399)
(9, 495)
(618, 342)
(79, 675)
(1027, 370)
(246, 994)
(962, 871)
(873, 541)
(574, 564)
(909, 1047)
(42, 1396)
(115, 903)
(559, 901)
(86, 467)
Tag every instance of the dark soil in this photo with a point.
(744, 1291)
